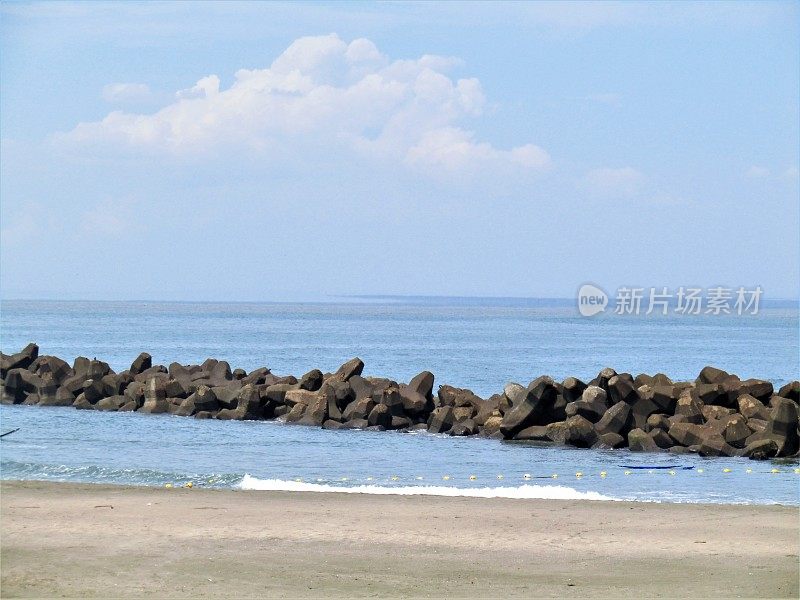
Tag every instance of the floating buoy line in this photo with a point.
(628, 470)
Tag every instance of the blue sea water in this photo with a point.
(479, 344)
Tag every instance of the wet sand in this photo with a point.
(106, 541)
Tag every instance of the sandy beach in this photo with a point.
(105, 541)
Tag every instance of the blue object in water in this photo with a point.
(656, 467)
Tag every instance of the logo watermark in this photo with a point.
(718, 300)
(591, 300)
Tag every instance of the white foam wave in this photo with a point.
(540, 492)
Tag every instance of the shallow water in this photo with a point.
(477, 345)
(65, 444)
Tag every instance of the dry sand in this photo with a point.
(105, 541)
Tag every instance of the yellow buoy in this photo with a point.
(446, 477)
(167, 485)
(395, 478)
(472, 477)
(726, 470)
(554, 476)
(775, 471)
(578, 474)
(189, 484)
(603, 473)
(797, 470)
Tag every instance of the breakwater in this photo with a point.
(717, 414)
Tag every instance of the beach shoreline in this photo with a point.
(90, 540)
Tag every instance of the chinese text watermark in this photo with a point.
(662, 301)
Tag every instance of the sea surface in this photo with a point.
(480, 344)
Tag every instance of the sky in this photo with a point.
(270, 151)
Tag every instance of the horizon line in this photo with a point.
(332, 299)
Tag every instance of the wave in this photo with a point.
(541, 492)
(31, 471)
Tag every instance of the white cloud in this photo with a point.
(609, 182)
(205, 88)
(124, 93)
(453, 149)
(321, 91)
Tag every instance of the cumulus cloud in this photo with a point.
(205, 88)
(610, 182)
(321, 91)
(453, 149)
(125, 93)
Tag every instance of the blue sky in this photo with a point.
(292, 152)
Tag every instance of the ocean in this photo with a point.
(480, 344)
